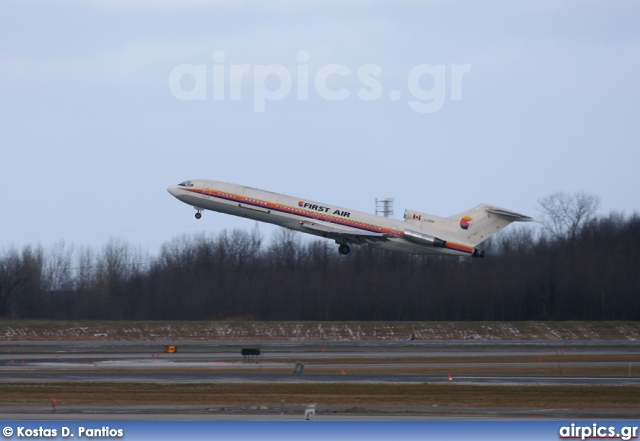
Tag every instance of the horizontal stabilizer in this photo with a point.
(509, 215)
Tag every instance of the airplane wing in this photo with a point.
(338, 232)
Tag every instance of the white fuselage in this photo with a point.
(321, 219)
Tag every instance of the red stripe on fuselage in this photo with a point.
(295, 211)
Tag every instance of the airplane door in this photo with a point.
(207, 190)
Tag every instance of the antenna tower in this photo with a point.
(384, 207)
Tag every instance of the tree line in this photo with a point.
(587, 270)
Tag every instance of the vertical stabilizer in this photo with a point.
(480, 223)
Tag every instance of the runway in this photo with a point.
(207, 377)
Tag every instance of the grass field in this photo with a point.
(571, 397)
(335, 331)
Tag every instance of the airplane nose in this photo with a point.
(173, 190)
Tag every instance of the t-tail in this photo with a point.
(480, 223)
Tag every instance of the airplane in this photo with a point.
(418, 233)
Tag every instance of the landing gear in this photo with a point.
(344, 249)
(198, 215)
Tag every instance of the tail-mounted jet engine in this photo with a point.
(423, 239)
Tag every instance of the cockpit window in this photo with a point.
(186, 184)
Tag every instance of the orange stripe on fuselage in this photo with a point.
(458, 247)
(296, 211)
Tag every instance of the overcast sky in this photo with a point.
(440, 105)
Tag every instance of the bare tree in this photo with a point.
(517, 238)
(20, 282)
(285, 248)
(58, 269)
(564, 214)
